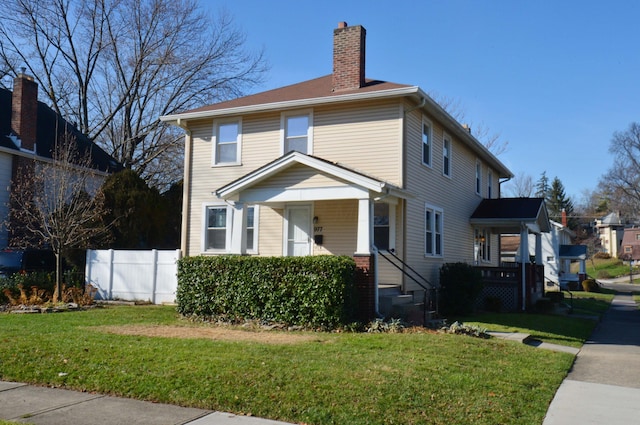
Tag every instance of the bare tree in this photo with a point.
(114, 66)
(622, 182)
(480, 131)
(57, 204)
(521, 186)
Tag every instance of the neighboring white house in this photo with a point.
(557, 253)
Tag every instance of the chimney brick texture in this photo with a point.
(24, 110)
(348, 57)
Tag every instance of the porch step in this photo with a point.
(388, 289)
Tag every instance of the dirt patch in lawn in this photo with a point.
(213, 333)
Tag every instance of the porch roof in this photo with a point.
(509, 215)
(573, 252)
(354, 178)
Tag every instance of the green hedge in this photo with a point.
(460, 286)
(315, 291)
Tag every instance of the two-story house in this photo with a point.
(610, 230)
(29, 131)
(630, 247)
(339, 165)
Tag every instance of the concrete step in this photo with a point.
(385, 289)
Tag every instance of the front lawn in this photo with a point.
(570, 329)
(301, 377)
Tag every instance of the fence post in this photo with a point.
(111, 254)
(154, 255)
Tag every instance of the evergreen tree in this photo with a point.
(557, 201)
(542, 186)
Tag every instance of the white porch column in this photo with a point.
(524, 245)
(539, 248)
(239, 229)
(365, 212)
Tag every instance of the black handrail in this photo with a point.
(428, 288)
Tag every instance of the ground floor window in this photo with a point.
(381, 225)
(218, 224)
(433, 231)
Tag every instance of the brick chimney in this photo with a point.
(348, 57)
(564, 218)
(24, 110)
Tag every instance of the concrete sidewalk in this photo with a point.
(603, 387)
(47, 406)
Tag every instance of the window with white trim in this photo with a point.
(227, 142)
(218, 223)
(478, 178)
(446, 156)
(427, 136)
(297, 132)
(433, 231)
(483, 245)
(381, 225)
(252, 229)
(218, 219)
(489, 184)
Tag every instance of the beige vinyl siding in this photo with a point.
(299, 176)
(365, 138)
(270, 231)
(338, 223)
(455, 196)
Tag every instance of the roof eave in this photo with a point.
(291, 104)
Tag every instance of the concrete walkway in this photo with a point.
(603, 387)
(47, 406)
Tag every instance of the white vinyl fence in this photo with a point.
(134, 275)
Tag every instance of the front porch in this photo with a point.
(514, 287)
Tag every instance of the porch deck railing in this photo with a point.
(505, 283)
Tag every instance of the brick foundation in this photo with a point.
(365, 287)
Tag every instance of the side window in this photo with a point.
(296, 133)
(483, 245)
(252, 229)
(381, 225)
(478, 178)
(446, 156)
(433, 231)
(227, 141)
(426, 142)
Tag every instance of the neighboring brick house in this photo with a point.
(28, 131)
(340, 165)
(630, 249)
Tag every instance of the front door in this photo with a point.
(298, 230)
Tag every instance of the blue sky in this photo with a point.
(554, 78)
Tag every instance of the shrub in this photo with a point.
(590, 285)
(460, 285)
(555, 296)
(602, 255)
(493, 304)
(460, 328)
(315, 291)
(603, 274)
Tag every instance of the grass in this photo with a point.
(604, 268)
(408, 378)
(571, 330)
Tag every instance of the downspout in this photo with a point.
(500, 184)
(423, 101)
(523, 275)
(186, 183)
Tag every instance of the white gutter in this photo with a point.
(186, 182)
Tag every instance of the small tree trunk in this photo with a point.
(57, 296)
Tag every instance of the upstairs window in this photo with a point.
(227, 143)
(478, 178)
(296, 129)
(433, 231)
(426, 142)
(446, 156)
